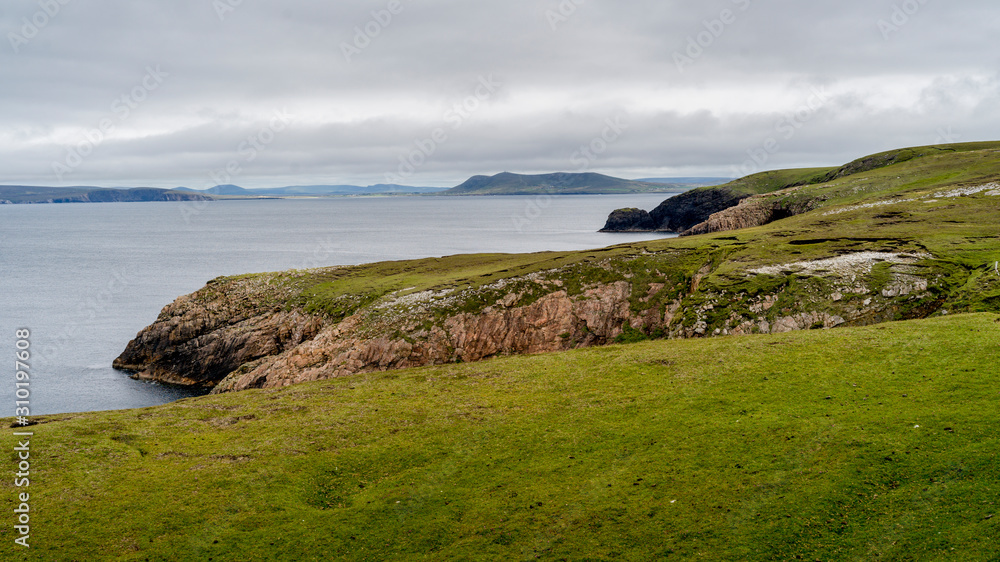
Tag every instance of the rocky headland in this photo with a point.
(771, 197)
(904, 240)
(36, 195)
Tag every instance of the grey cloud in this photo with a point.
(605, 59)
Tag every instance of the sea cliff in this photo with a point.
(905, 240)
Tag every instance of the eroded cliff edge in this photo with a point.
(713, 208)
(683, 212)
(905, 235)
(260, 332)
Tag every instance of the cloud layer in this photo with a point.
(427, 93)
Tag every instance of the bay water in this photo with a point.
(85, 278)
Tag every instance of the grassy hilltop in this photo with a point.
(874, 440)
(507, 183)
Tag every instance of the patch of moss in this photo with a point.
(879, 277)
(631, 335)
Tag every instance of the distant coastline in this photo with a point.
(501, 184)
(28, 195)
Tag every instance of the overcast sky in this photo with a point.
(428, 92)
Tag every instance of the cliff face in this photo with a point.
(135, 195)
(756, 210)
(228, 340)
(555, 322)
(201, 338)
(629, 220)
(676, 214)
(680, 213)
(245, 333)
(14, 194)
(685, 211)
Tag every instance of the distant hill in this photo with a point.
(554, 184)
(228, 190)
(20, 194)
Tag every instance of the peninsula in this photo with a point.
(902, 235)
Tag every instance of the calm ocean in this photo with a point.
(85, 278)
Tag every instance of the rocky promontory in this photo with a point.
(629, 220)
(911, 239)
(676, 214)
(262, 332)
(683, 212)
(15, 194)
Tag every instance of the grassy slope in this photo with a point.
(761, 447)
(766, 182)
(870, 166)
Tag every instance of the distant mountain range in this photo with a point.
(14, 194)
(501, 184)
(313, 190)
(569, 184)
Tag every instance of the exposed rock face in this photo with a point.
(555, 322)
(629, 220)
(197, 346)
(135, 195)
(242, 333)
(756, 210)
(676, 214)
(201, 338)
(680, 213)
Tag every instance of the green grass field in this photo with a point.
(874, 443)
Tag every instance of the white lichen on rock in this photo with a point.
(992, 188)
(845, 265)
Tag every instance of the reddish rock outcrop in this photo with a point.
(555, 322)
(247, 332)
